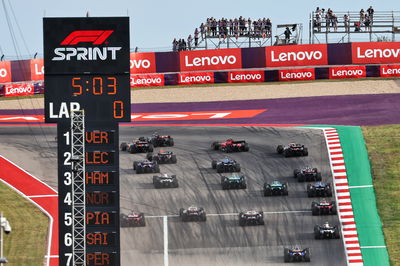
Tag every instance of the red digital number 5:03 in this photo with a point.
(94, 85)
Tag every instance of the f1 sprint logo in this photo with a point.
(96, 37)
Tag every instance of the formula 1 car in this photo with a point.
(276, 188)
(292, 149)
(193, 213)
(146, 166)
(323, 207)
(160, 141)
(307, 174)
(230, 145)
(296, 254)
(233, 180)
(326, 231)
(319, 189)
(162, 157)
(133, 219)
(225, 165)
(165, 181)
(137, 145)
(251, 218)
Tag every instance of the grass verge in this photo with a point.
(26, 244)
(383, 144)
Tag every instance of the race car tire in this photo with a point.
(237, 167)
(334, 207)
(305, 152)
(279, 149)
(173, 158)
(242, 222)
(123, 146)
(220, 169)
(150, 148)
(286, 153)
(215, 145)
(243, 186)
(143, 222)
(139, 170)
(149, 156)
(135, 163)
(170, 142)
(300, 178)
(246, 147)
(314, 209)
(307, 255)
(175, 183)
(214, 164)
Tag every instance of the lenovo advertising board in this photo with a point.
(296, 74)
(347, 72)
(296, 55)
(245, 76)
(195, 78)
(147, 80)
(5, 72)
(375, 52)
(210, 60)
(37, 69)
(143, 63)
(390, 71)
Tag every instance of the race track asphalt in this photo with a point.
(220, 240)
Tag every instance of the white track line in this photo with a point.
(228, 214)
(373, 247)
(165, 220)
(361, 186)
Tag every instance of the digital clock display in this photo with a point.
(103, 97)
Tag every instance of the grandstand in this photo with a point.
(383, 26)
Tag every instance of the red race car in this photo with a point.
(230, 145)
(133, 219)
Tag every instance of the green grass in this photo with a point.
(383, 144)
(26, 244)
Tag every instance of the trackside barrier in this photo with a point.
(245, 76)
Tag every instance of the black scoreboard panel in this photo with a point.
(102, 192)
(98, 45)
(87, 68)
(104, 97)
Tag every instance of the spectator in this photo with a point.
(367, 23)
(174, 45)
(287, 35)
(327, 21)
(189, 42)
(335, 22)
(202, 29)
(362, 15)
(268, 27)
(370, 12)
(357, 26)
(318, 20)
(196, 37)
(346, 21)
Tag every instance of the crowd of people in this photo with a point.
(224, 28)
(331, 20)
